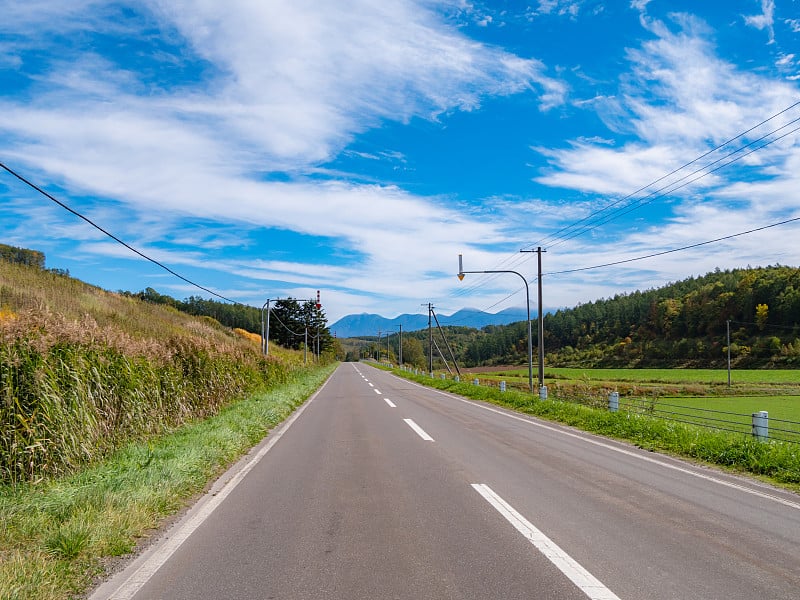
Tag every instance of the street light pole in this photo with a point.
(462, 272)
(265, 330)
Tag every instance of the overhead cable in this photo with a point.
(555, 235)
(682, 181)
(628, 260)
(112, 236)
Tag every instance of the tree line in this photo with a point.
(685, 323)
(29, 258)
(688, 322)
(293, 323)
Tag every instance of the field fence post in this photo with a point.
(761, 425)
(613, 402)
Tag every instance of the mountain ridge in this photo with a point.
(369, 324)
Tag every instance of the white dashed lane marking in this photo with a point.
(586, 582)
(419, 431)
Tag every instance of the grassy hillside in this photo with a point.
(83, 371)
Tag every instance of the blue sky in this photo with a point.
(272, 148)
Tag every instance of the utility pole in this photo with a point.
(400, 347)
(728, 323)
(541, 316)
(430, 340)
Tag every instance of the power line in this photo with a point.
(628, 260)
(112, 236)
(554, 236)
(764, 325)
(638, 258)
(294, 333)
(656, 195)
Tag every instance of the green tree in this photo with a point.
(413, 353)
(31, 258)
(292, 323)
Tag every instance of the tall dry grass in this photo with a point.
(83, 371)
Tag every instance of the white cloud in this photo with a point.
(289, 85)
(562, 8)
(596, 168)
(765, 20)
(301, 77)
(678, 101)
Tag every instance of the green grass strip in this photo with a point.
(55, 536)
(774, 461)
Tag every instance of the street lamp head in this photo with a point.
(460, 268)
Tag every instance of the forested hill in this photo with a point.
(684, 323)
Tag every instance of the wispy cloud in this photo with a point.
(185, 125)
(765, 20)
(569, 8)
(678, 100)
(276, 87)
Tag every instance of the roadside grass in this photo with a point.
(58, 535)
(84, 371)
(773, 461)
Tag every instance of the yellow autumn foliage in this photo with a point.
(6, 315)
(253, 337)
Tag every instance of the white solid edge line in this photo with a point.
(142, 575)
(390, 403)
(589, 440)
(585, 581)
(420, 432)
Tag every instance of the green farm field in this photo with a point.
(728, 413)
(685, 376)
(683, 394)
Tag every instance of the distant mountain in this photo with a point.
(369, 324)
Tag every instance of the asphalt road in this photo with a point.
(381, 488)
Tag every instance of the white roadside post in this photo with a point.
(613, 402)
(761, 425)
